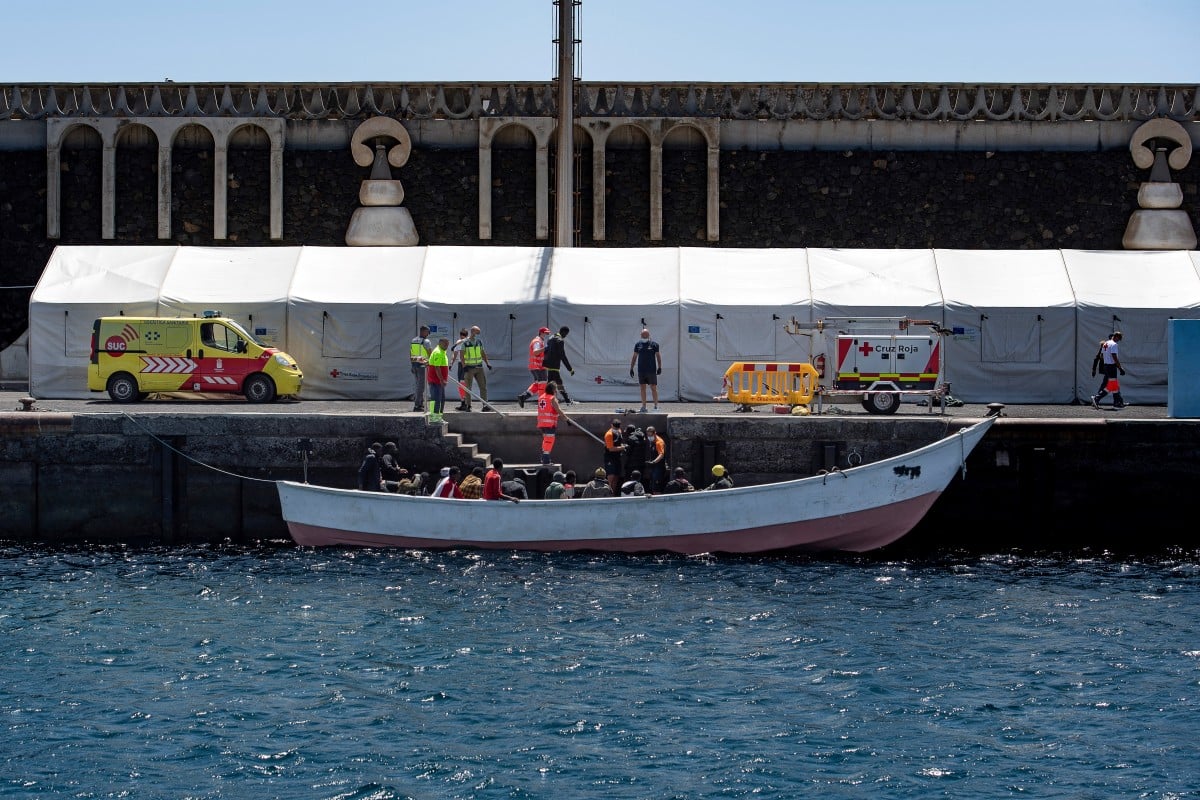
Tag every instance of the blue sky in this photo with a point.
(794, 41)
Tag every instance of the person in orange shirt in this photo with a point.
(547, 418)
(656, 467)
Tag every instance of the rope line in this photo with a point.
(194, 460)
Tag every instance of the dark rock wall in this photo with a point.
(1017, 200)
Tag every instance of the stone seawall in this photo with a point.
(207, 477)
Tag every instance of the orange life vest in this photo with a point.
(537, 352)
(547, 416)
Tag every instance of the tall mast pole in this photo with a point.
(564, 164)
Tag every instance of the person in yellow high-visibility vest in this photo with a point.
(474, 359)
(418, 355)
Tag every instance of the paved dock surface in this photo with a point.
(175, 404)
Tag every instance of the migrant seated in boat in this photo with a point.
(723, 481)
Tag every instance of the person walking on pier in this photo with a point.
(418, 356)
(537, 353)
(1110, 366)
(555, 358)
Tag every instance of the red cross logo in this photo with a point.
(333, 373)
(866, 349)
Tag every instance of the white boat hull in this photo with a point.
(858, 509)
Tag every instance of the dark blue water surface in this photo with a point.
(290, 673)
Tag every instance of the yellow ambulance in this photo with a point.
(132, 357)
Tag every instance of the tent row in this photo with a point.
(1024, 324)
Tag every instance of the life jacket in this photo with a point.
(537, 353)
(547, 416)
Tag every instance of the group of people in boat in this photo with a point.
(622, 475)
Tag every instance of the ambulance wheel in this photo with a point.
(259, 389)
(123, 388)
(882, 403)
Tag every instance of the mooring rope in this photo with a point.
(194, 460)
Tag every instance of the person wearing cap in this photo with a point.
(537, 367)
(448, 485)
(614, 449)
(679, 483)
(723, 481)
(418, 356)
(557, 489)
(1110, 365)
(598, 485)
(554, 358)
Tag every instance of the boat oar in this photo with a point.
(486, 404)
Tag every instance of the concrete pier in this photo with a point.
(178, 471)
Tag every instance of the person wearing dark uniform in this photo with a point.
(555, 358)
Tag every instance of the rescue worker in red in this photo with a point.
(537, 368)
(547, 418)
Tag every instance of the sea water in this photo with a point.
(298, 673)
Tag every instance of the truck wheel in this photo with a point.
(882, 403)
(123, 388)
(259, 389)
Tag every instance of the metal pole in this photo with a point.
(563, 165)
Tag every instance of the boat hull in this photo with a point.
(855, 510)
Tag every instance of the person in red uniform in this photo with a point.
(547, 418)
(492, 481)
(537, 353)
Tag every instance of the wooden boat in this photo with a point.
(856, 509)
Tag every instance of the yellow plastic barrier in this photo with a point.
(759, 383)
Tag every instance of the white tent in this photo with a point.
(1027, 322)
(606, 297)
(1135, 292)
(246, 284)
(1012, 321)
(734, 305)
(503, 290)
(78, 285)
(868, 285)
(351, 315)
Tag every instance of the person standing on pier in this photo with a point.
(418, 356)
(474, 359)
(437, 373)
(648, 363)
(1110, 366)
